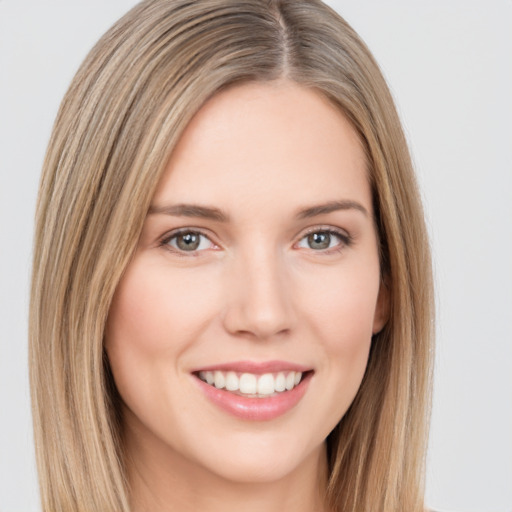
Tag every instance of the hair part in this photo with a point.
(117, 126)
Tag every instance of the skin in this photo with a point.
(255, 289)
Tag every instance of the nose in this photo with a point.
(259, 301)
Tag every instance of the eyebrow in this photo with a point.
(191, 210)
(329, 207)
(212, 213)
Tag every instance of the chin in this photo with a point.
(257, 464)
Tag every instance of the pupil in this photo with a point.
(320, 240)
(188, 241)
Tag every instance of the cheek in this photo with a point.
(157, 310)
(156, 315)
(346, 333)
(341, 317)
(343, 309)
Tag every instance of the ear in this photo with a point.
(382, 308)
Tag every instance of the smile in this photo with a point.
(254, 391)
(252, 385)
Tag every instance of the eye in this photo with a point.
(323, 240)
(188, 241)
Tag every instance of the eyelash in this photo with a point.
(345, 239)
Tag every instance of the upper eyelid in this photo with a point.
(178, 231)
(322, 229)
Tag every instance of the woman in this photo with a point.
(231, 302)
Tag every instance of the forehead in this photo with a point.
(263, 141)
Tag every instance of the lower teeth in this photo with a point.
(248, 395)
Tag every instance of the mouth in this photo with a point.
(252, 385)
(254, 391)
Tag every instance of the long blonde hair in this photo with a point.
(117, 125)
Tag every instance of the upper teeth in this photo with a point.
(251, 384)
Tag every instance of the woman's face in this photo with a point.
(257, 269)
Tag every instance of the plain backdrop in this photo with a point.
(449, 66)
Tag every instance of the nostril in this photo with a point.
(249, 323)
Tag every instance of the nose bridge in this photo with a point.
(259, 302)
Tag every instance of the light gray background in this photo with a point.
(449, 65)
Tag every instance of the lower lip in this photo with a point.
(256, 409)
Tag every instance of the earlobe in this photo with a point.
(382, 308)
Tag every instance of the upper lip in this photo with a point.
(255, 367)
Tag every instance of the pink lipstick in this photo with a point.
(254, 391)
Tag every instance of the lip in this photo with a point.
(258, 368)
(255, 409)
